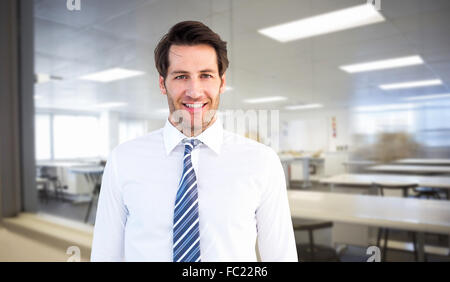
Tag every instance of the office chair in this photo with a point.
(427, 193)
(56, 183)
(405, 188)
(311, 251)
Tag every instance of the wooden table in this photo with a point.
(418, 169)
(353, 179)
(64, 164)
(357, 165)
(423, 162)
(430, 216)
(366, 180)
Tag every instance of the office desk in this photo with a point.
(359, 180)
(423, 162)
(286, 161)
(418, 169)
(87, 169)
(93, 175)
(70, 173)
(431, 216)
(64, 164)
(366, 180)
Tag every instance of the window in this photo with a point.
(385, 121)
(131, 128)
(434, 127)
(76, 136)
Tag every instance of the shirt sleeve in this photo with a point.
(276, 240)
(108, 241)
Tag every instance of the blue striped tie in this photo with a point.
(186, 231)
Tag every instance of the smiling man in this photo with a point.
(192, 191)
(195, 85)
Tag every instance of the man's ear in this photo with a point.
(162, 86)
(223, 84)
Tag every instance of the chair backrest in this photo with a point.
(394, 186)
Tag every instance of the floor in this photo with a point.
(15, 247)
(77, 211)
(72, 210)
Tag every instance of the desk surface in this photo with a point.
(367, 180)
(64, 164)
(87, 169)
(421, 169)
(401, 213)
(286, 158)
(359, 163)
(423, 161)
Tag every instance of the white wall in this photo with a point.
(312, 130)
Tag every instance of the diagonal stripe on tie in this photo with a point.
(189, 246)
(186, 203)
(186, 230)
(186, 212)
(184, 195)
(181, 226)
(189, 236)
(182, 187)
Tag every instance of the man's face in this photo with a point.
(193, 87)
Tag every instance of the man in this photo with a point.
(192, 191)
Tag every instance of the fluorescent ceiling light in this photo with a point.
(411, 84)
(326, 23)
(428, 97)
(111, 105)
(383, 64)
(304, 107)
(389, 107)
(265, 99)
(42, 78)
(111, 74)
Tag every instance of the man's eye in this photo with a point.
(181, 77)
(207, 75)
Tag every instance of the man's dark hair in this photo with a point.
(190, 33)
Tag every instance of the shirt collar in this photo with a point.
(211, 137)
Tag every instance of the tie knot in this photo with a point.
(190, 144)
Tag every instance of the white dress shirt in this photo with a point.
(241, 194)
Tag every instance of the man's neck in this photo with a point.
(191, 131)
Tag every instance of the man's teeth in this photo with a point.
(195, 106)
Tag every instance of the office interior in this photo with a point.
(357, 94)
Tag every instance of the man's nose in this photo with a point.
(195, 88)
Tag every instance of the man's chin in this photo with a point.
(192, 125)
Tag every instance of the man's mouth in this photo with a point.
(194, 106)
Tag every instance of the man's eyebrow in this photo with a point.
(178, 71)
(184, 72)
(207, 70)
